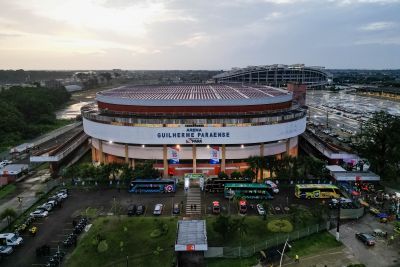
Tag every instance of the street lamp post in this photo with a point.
(283, 251)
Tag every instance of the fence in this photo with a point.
(248, 251)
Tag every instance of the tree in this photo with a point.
(249, 174)
(146, 171)
(223, 175)
(236, 175)
(225, 226)
(126, 174)
(8, 214)
(242, 228)
(257, 164)
(379, 142)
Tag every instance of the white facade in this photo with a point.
(194, 135)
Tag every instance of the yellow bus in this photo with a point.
(316, 191)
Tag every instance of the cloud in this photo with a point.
(194, 40)
(378, 26)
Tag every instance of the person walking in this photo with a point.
(194, 206)
(296, 259)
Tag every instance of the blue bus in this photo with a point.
(152, 186)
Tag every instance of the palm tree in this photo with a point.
(258, 164)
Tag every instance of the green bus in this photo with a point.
(316, 191)
(248, 191)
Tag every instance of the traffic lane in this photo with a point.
(381, 254)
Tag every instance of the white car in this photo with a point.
(273, 185)
(158, 209)
(39, 213)
(62, 195)
(7, 250)
(45, 206)
(260, 209)
(52, 203)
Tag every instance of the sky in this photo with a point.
(198, 34)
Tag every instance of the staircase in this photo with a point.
(193, 198)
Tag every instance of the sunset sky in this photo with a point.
(198, 34)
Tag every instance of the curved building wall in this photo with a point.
(194, 135)
(202, 152)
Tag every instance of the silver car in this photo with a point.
(39, 213)
(158, 209)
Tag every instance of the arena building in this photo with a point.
(201, 128)
(277, 75)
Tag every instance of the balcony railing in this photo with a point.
(91, 113)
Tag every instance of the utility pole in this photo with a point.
(327, 119)
(338, 220)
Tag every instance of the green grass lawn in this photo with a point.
(6, 190)
(220, 262)
(257, 232)
(313, 244)
(126, 236)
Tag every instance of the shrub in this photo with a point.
(102, 247)
(155, 233)
(280, 226)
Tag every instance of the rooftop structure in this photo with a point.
(196, 94)
(277, 75)
(191, 236)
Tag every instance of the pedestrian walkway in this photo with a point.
(193, 201)
(29, 195)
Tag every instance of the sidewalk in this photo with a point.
(336, 257)
(31, 185)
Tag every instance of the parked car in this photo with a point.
(273, 185)
(10, 239)
(216, 208)
(158, 209)
(39, 213)
(366, 239)
(176, 209)
(131, 210)
(62, 195)
(6, 250)
(140, 209)
(53, 203)
(46, 207)
(260, 209)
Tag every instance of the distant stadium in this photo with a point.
(199, 128)
(277, 75)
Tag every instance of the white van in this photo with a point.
(10, 239)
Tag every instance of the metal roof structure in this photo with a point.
(195, 94)
(354, 176)
(191, 236)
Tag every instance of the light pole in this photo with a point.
(283, 251)
(338, 221)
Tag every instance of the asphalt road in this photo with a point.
(382, 254)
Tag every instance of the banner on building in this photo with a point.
(173, 155)
(214, 155)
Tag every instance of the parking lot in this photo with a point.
(53, 230)
(276, 206)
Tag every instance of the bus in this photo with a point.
(316, 191)
(152, 186)
(248, 191)
(217, 185)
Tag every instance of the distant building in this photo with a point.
(277, 75)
